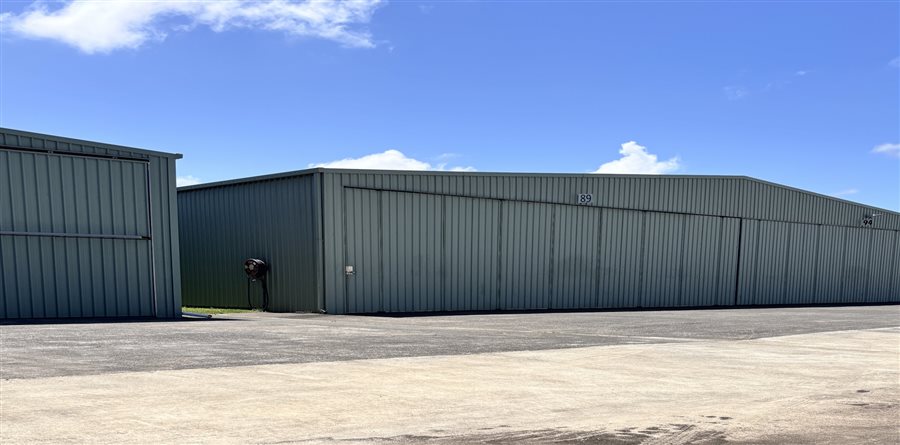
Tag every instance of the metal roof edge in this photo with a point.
(820, 195)
(309, 171)
(70, 140)
(251, 179)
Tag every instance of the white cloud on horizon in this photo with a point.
(183, 181)
(102, 27)
(888, 149)
(636, 160)
(392, 160)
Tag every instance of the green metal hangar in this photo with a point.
(351, 241)
(86, 229)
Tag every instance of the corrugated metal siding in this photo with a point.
(70, 194)
(472, 252)
(526, 255)
(412, 252)
(166, 254)
(883, 266)
(830, 258)
(81, 189)
(275, 221)
(663, 239)
(51, 277)
(363, 250)
(621, 253)
(41, 142)
(646, 242)
(576, 257)
(735, 197)
(46, 277)
(783, 263)
(856, 264)
(538, 256)
(800, 279)
(707, 276)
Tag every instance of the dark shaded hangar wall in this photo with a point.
(274, 219)
(445, 241)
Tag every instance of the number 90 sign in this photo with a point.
(585, 198)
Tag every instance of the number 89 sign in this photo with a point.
(585, 198)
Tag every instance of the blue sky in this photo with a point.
(801, 93)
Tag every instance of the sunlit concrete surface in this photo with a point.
(826, 386)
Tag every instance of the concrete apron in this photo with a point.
(837, 387)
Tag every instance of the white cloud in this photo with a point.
(846, 192)
(183, 181)
(736, 92)
(636, 160)
(895, 63)
(389, 160)
(801, 73)
(103, 26)
(888, 149)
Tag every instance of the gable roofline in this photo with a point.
(310, 171)
(68, 140)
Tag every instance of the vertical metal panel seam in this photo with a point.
(498, 303)
(346, 281)
(719, 260)
(815, 294)
(444, 254)
(552, 253)
(599, 259)
(381, 265)
(322, 288)
(682, 260)
(787, 260)
(843, 270)
(737, 274)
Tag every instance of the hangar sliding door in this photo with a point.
(74, 236)
(415, 252)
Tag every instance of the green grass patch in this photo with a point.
(214, 310)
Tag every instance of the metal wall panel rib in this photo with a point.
(274, 220)
(735, 197)
(858, 254)
(801, 264)
(747, 264)
(771, 268)
(412, 252)
(575, 262)
(363, 250)
(882, 266)
(895, 281)
(663, 239)
(620, 258)
(471, 248)
(713, 242)
(703, 273)
(74, 277)
(830, 264)
(526, 255)
(729, 253)
(50, 277)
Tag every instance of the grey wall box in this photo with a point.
(350, 241)
(86, 229)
